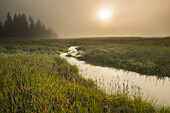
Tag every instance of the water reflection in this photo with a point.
(112, 79)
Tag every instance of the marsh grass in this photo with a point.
(145, 56)
(46, 83)
(43, 82)
(20, 46)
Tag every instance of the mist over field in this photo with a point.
(85, 56)
(78, 18)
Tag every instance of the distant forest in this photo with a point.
(19, 26)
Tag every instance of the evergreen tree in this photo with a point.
(38, 28)
(51, 32)
(19, 27)
(8, 26)
(15, 26)
(24, 26)
(44, 31)
(31, 27)
(1, 28)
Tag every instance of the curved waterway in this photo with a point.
(112, 79)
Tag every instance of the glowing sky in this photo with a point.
(79, 18)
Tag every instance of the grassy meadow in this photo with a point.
(33, 78)
(145, 56)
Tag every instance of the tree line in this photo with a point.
(19, 26)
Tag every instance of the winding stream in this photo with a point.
(111, 79)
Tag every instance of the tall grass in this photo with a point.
(146, 56)
(46, 83)
(40, 81)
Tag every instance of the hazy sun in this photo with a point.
(104, 14)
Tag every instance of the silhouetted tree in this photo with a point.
(40, 29)
(31, 27)
(19, 27)
(1, 29)
(16, 26)
(44, 31)
(8, 26)
(51, 32)
(24, 26)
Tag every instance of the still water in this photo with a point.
(111, 79)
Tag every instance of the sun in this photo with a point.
(104, 14)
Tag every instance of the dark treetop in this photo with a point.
(18, 26)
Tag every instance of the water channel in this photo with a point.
(111, 79)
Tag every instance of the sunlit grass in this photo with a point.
(46, 83)
(40, 81)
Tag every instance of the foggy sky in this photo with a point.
(78, 18)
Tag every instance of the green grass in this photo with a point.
(20, 46)
(145, 56)
(40, 81)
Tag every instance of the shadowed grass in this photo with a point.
(20, 46)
